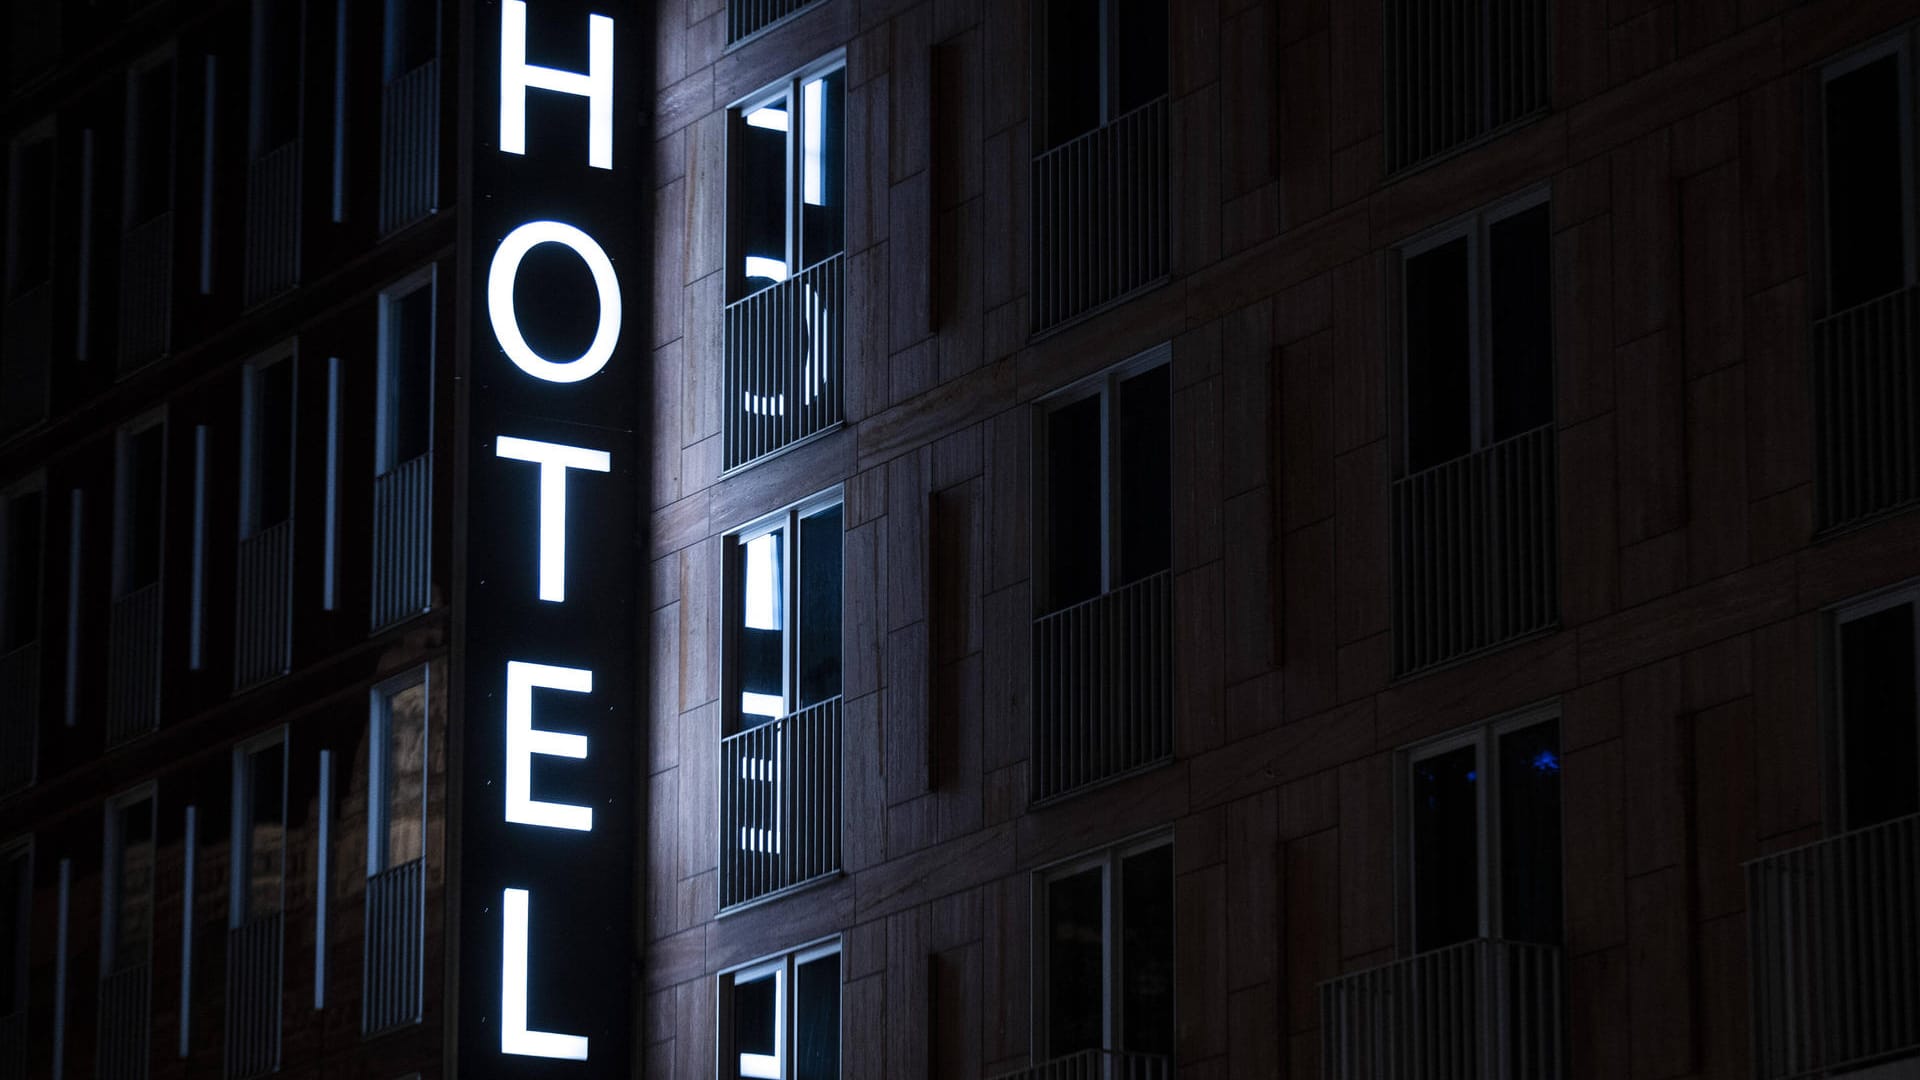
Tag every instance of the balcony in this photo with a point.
(1103, 687)
(1480, 1010)
(409, 147)
(780, 804)
(263, 604)
(273, 223)
(253, 996)
(133, 665)
(1100, 216)
(1097, 1065)
(126, 1022)
(1834, 930)
(393, 965)
(1866, 397)
(1475, 551)
(26, 353)
(747, 17)
(1460, 69)
(402, 541)
(19, 717)
(783, 362)
(146, 292)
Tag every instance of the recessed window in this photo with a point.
(397, 775)
(276, 52)
(1867, 139)
(1879, 723)
(406, 372)
(786, 188)
(780, 1020)
(785, 613)
(150, 139)
(1099, 60)
(127, 926)
(267, 418)
(30, 209)
(259, 828)
(1104, 954)
(142, 505)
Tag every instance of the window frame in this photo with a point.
(791, 90)
(287, 352)
(733, 593)
(44, 129)
(426, 277)
(131, 184)
(1109, 66)
(240, 839)
(112, 843)
(1484, 737)
(1109, 861)
(1104, 384)
(784, 967)
(380, 701)
(1900, 43)
(22, 848)
(123, 495)
(1833, 661)
(256, 93)
(34, 483)
(1475, 227)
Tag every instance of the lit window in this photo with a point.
(780, 1019)
(786, 190)
(786, 618)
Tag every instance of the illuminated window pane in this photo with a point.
(757, 210)
(823, 135)
(756, 1037)
(403, 772)
(762, 640)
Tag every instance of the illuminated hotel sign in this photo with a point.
(547, 647)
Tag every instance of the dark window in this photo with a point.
(1145, 487)
(1146, 950)
(1076, 962)
(1108, 954)
(150, 135)
(400, 750)
(30, 224)
(407, 375)
(817, 1019)
(1880, 737)
(16, 900)
(1866, 147)
(786, 202)
(786, 615)
(1075, 446)
(271, 442)
(1530, 901)
(781, 1020)
(1100, 59)
(24, 513)
(819, 585)
(142, 506)
(276, 73)
(412, 35)
(131, 934)
(1446, 849)
(1521, 305)
(261, 842)
(756, 1014)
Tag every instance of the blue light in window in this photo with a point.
(1546, 761)
(1472, 775)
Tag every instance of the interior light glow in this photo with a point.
(759, 266)
(514, 1036)
(766, 116)
(760, 1065)
(763, 582)
(554, 460)
(517, 77)
(762, 704)
(524, 741)
(812, 142)
(506, 323)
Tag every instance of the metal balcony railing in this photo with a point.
(273, 223)
(745, 17)
(26, 354)
(402, 541)
(19, 717)
(1103, 687)
(1479, 1010)
(1458, 69)
(783, 367)
(1476, 551)
(1097, 1065)
(133, 665)
(125, 1023)
(395, 948)
(1100, 215)
(1866, 402)
(13, 1045)
(254, 957)
(1834, 933)
(263, 606)
(409, 146)
(780, 804)
(146, 292)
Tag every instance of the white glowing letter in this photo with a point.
(514, 1036)
(506, 324)
(517, 77)
(524, 741)
(554, 460)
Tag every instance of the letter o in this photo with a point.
(506, 325)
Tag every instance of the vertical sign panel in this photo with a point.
(546, 851)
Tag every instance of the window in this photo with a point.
(30, 209)
(397, 774)
(259, 828)
(786, 204)
(411, 36)
(1482, 834)
(1100, 59)
(405, 413)
(1103, 956)
(126, 937)
(1879, 724)
(22, 535)
(1866, 104)
(780, 1019)
(141, 505)
(1106, 483)
(149, 179)
(1477, 333)
(267, 444)
(1457, 71)
(784, 613)
(16, 926)
(276, 53)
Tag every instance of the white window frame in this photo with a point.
(240, 841)
(784, 968)
(1901, 45)
(790, 90)
(34, 483)
(1484, 737)
(41, 130)
(427, 277)
(123, 498)
(131, 185)
(110, 960)
(1108, 861)
(1907, 593)
(788, 522)
(380, 701)
(20, 847)
(1475, 228)
(1104, 385)
(250, 479)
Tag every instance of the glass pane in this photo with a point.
(1141, 69)
(1146, 951)
(133, 920)
(22, 584)
(405, 770)
(1877, 717)
(756, 1004)
(1074, 514)
(1522, 316)
(14, 927)
(141, 554)
(1076, 970)
(1072, 75)
(1446, 849)
(822, 151)
(267, 828)
(1438, 365)
(276, 73)
(411, 34)
(150, 182)
(757, 206)
(32, 214)
(820, 606)
(409, 375)
(1146, 476)
(1530, 897)
(272, 476)
(1866, 245)
(816, 1045)
(762, 628)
